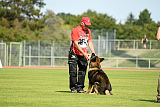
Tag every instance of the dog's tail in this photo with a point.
(95, 89)
(97, 83)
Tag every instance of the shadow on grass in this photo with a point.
(64, 91)
(154, 101)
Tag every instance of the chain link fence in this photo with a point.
(117, 53)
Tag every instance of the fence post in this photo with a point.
(118, 44)
(114, 39)
(39, 51)
(53, 58)
(7, 55)
(134, 43)
(149, 63)
(150, 44)
(0, 64)
(20, 54)
(1, 48)
(137, 56)
(24, 54)
(29, 55)
(10, 53)
(110, 50)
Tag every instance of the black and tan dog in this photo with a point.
(97, 77)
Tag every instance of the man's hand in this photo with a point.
(86, 56)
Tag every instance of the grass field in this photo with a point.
(50, 88)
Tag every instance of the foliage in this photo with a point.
(22, 20)
(130, 19)
(136, 32)
(137, 28)
(98, 20)
(20, 9)
(144, 18)
(128, 32)
(53, 28)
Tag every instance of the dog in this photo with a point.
(98, 78)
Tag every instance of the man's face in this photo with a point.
(84, 27)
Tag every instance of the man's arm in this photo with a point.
(146, 39)
(90, 44)
(158, 33)
(142, 40)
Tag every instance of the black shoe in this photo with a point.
(158, 99)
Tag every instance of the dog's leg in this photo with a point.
(107, 92)
(89, 88)
(96, 91)
(93, 89)
(96, 88)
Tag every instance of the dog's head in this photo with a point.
(95, 61)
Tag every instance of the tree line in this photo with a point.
(23, 20)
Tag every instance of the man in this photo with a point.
(78, 55)
(158, 33)
(144, 40)
(158, 88)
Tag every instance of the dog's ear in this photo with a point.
(101, 59)
(93, 59)
(93, 54)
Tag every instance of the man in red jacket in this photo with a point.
(78, 55)
(158, 33)
(158, 88)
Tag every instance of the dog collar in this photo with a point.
(90, 69)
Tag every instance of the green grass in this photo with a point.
(50, 88)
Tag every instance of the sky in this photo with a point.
(118, 9)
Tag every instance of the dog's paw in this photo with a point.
(107, 92)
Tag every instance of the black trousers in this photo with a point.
(77, 61)
(158, 89)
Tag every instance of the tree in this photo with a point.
(130, 19)
(66, 17)
(21, 19)
(53, 28)
(144, 18)
(103, 21)
(129, 32)
(31, 8)
(20, 9)
(98, 20)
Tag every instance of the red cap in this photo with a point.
(86, 20)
